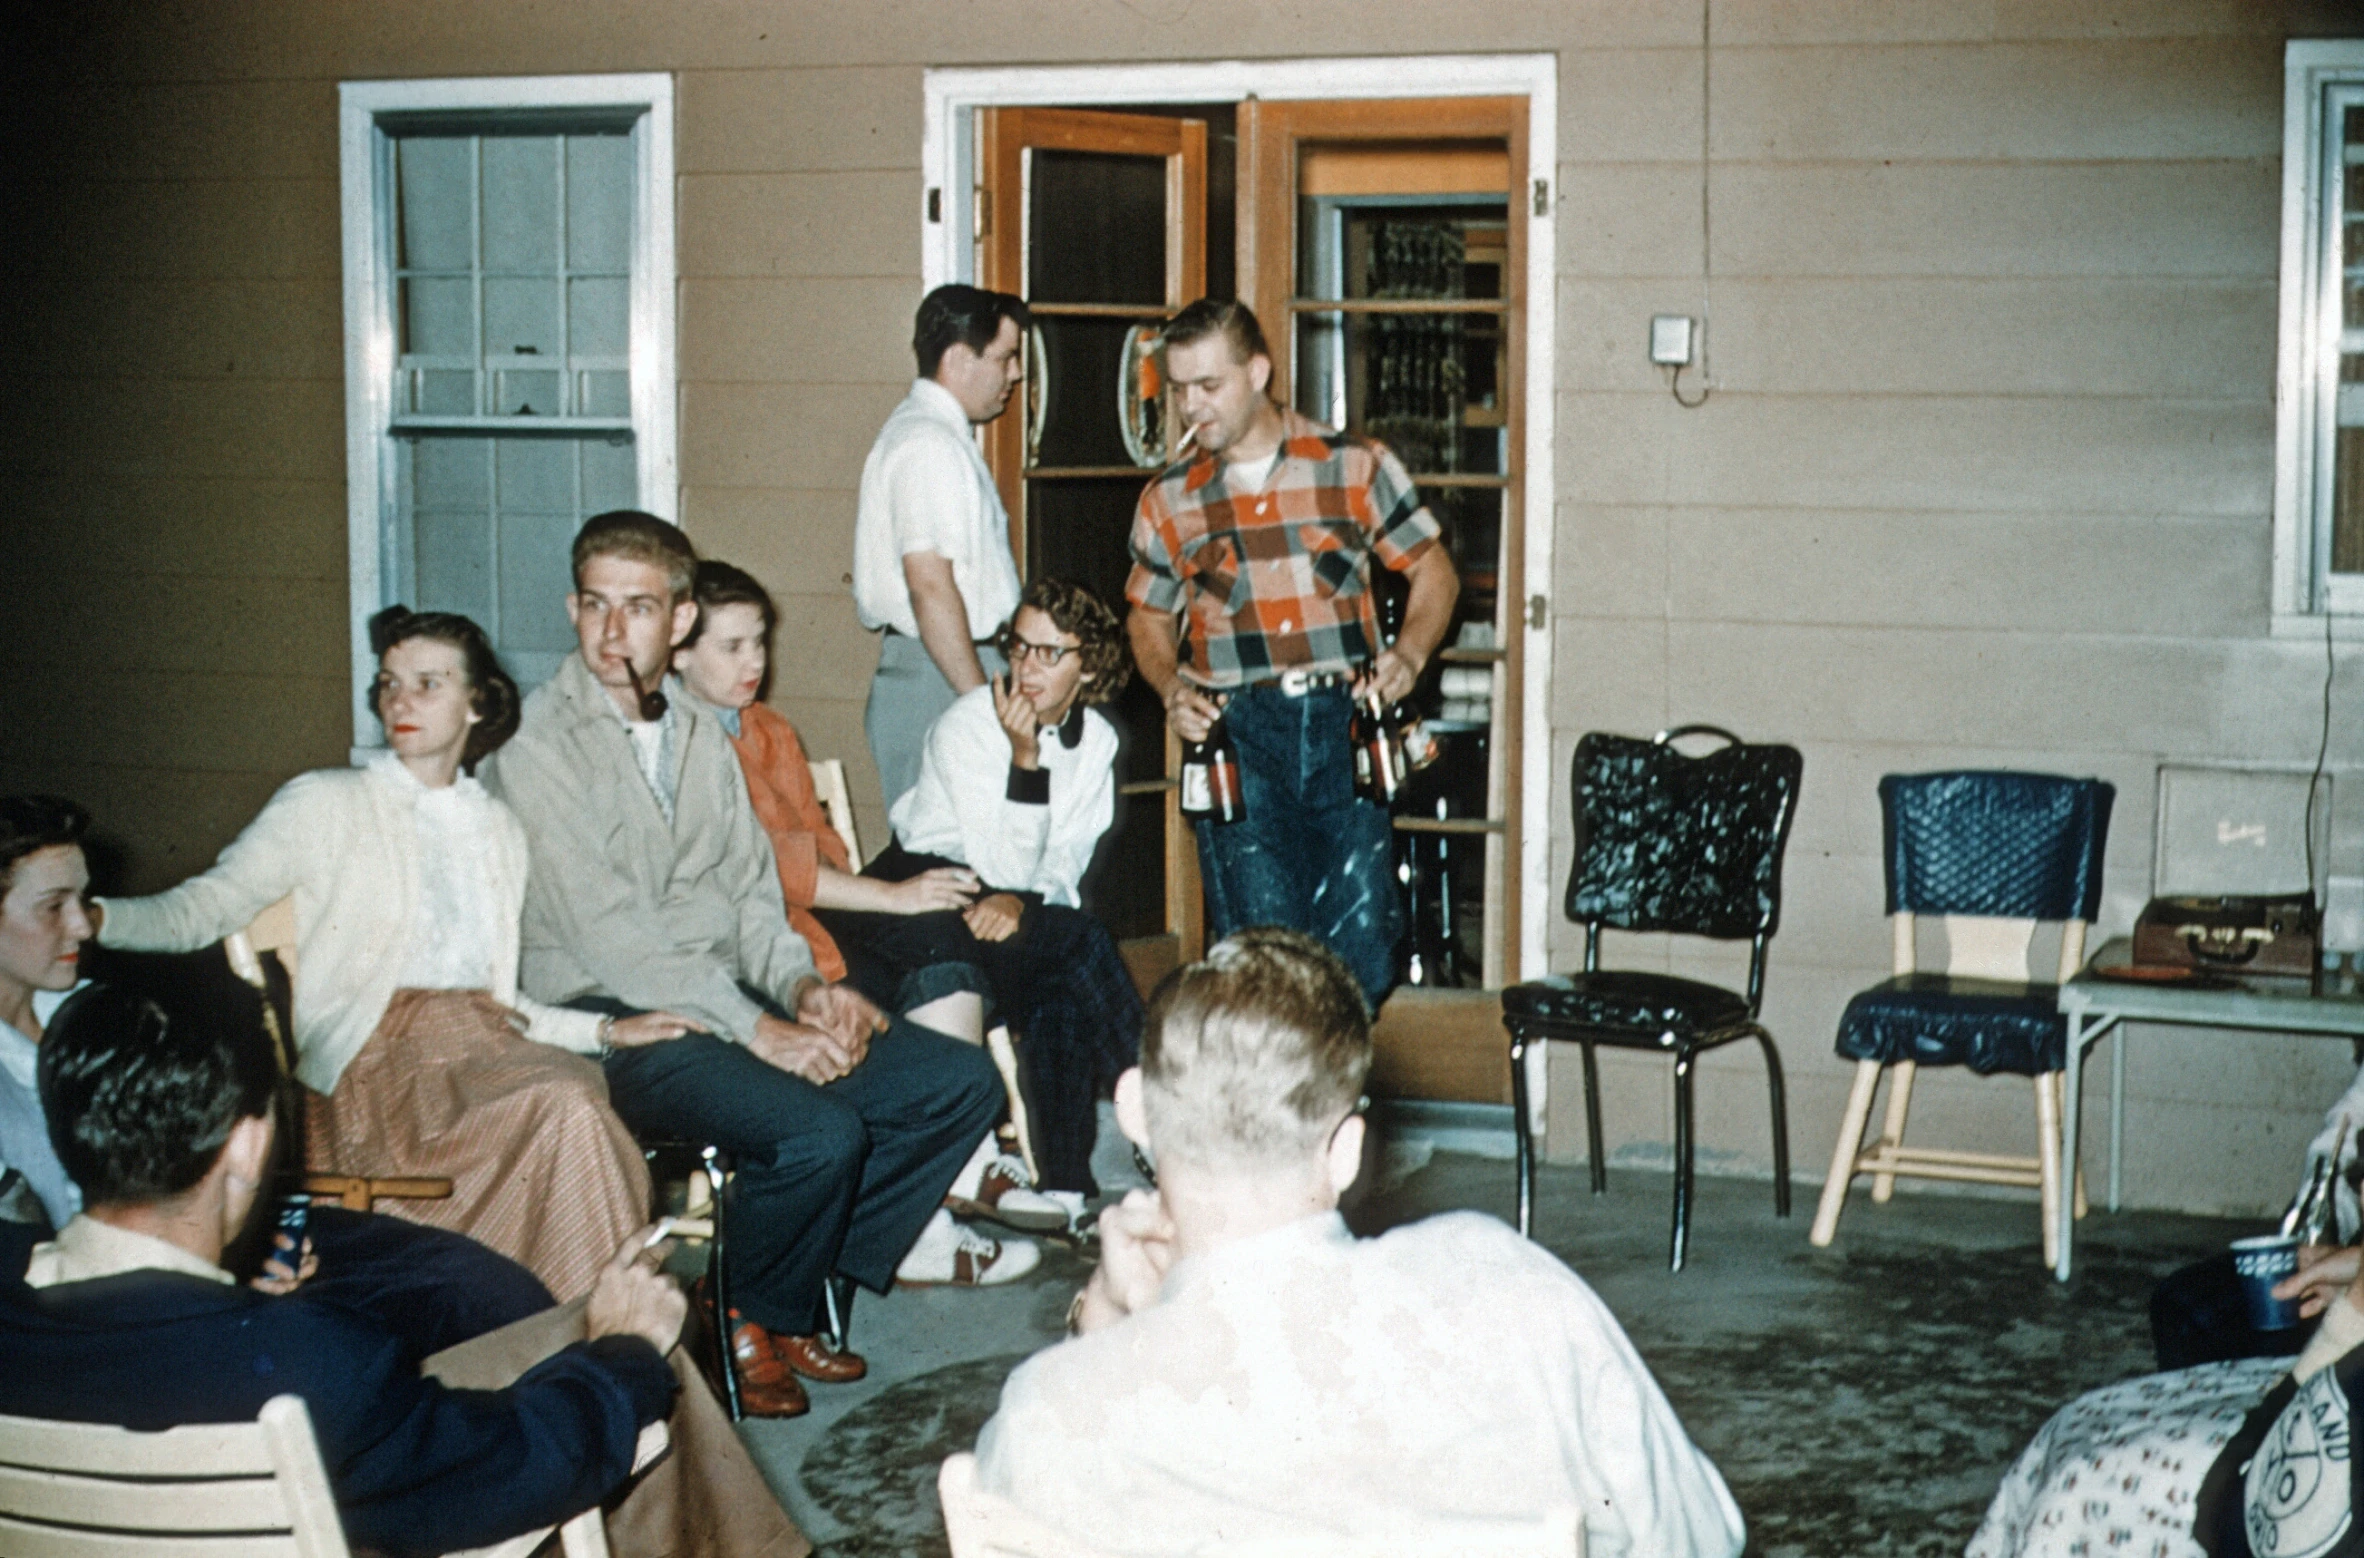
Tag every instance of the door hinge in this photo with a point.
(1543, 197)
(1538, 611)
(984, 212)
(935, 204)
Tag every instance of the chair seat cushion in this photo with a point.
(1989, 1025)
(1626, 1006)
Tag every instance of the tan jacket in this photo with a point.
(621, 904)
(345, 842)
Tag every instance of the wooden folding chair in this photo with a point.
(838, 802)
(274, 931)
(236, 1490)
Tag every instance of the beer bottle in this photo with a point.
(1210, 777)
(1378, 752)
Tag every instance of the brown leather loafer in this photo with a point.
(811, 1357)
(766, 1387)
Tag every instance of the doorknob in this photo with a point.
(1538, 611)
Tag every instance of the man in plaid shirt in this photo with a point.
(1262, 543)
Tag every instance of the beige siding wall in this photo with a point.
(1985, 478)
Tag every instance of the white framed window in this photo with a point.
(2319, 401)
(509, 343)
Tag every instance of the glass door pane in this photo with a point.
(1105, 243)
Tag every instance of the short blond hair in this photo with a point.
(1251, 1056)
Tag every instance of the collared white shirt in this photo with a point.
(1304, 1383)
(925, 488)
(451, 937)
(967, 806)
(24, 1129)
(87, 1249)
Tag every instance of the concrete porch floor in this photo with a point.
(1863, 1401)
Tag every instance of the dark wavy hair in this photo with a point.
(959, 313)
(720, 584)
(140, 1102)
(1107, 660)
(32, 823)
(491, 693)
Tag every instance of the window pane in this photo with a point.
(433, 177)
(1097, 221)
(451, 473)
(536, 473)
(1426, 385)
(438, 319)
(611, 476)
(598, 202)
(520, 317)
(598, 317)
(454, 569)
(521, 203)
(526, 394)
(534, 580)
(607, 393)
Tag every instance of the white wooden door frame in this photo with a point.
(947, 249)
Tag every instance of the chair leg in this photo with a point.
(718, 1263)
(1684, 1061)
(1592, 1123)
(1780, 1123)
(2077, 1180)
(1900, 1102)
(837, 1311)
(1842, 1158)
(2048, 1163)
(1522, 1132)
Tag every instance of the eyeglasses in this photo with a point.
(1021, 650)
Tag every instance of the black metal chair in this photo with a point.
(1664, 842)
(1992, 853)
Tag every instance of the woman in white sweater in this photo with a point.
(417, 1051)
(1017, 784)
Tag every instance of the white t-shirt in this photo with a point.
(925, 488)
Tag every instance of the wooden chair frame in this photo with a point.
(1977, 947)
(274, 931)
(216, 1490)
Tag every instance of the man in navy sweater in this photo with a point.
(128, 1317)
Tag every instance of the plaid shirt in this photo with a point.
(1277, 580)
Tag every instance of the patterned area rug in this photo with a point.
(1879, 1421)
(876, 1472)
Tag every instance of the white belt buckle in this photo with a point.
(1294, 682)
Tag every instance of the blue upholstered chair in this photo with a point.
(1992, 855)
(1664, 842)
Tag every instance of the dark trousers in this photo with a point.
(2198, 1316)
(1310, 854)
(432, 1288)
(1058, 981)
(839, 1177)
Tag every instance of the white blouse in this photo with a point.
(966, 806)
(451, 936)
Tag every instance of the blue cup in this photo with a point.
(2260, 1263)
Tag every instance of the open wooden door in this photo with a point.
(1383, 246)
(1120, 202)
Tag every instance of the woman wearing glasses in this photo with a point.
(1017, 785)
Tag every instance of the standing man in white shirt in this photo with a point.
(932, 563)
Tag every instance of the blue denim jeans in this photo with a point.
(1310, 854)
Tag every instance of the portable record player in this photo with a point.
(2280, 934)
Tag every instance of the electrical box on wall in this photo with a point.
(1670, 340)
